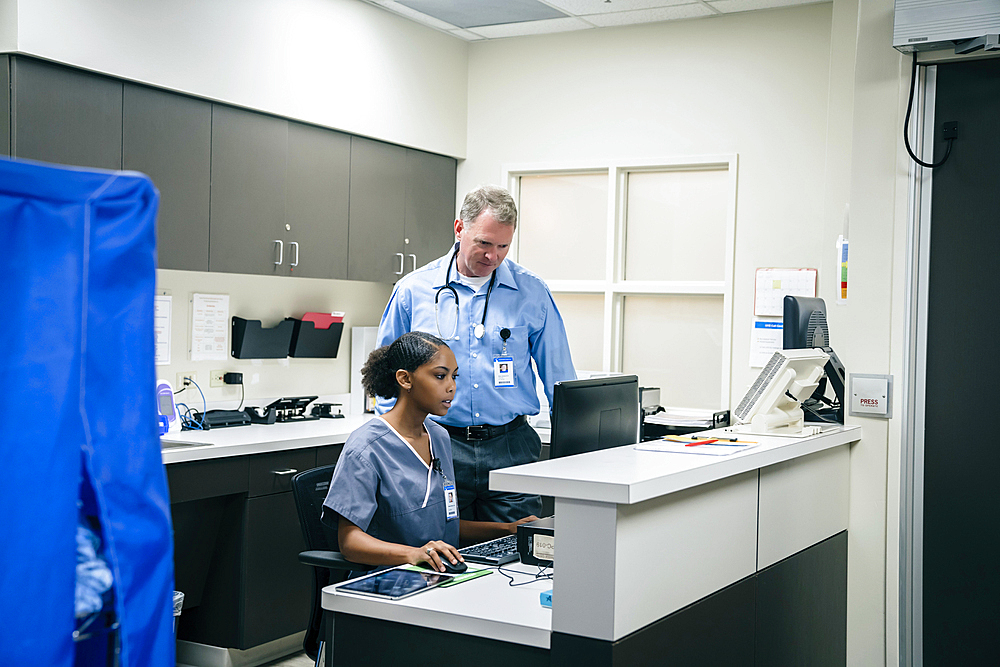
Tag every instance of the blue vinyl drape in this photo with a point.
(77, 280)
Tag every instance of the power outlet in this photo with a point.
(215, 379)
(180, 379)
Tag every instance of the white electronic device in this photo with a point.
(166, 407)
(771, 406)
(931, 25)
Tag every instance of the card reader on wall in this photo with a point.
(536, 541)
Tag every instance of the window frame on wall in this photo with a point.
(614, 287)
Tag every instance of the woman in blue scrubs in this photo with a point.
(393, 487)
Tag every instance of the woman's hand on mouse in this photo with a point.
(433, 552)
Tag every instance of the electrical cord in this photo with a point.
(538, 576)
(906, 125)
(242, 396)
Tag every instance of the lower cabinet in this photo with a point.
(236, 545)
(789, 614)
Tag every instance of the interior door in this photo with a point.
(961, 581)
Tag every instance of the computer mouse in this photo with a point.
(454, 568)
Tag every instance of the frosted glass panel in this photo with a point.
(583, 315)
(676, 225)
(675, 343)
(562, 225)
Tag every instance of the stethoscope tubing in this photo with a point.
(454, 292)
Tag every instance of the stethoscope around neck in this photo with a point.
(481, 327)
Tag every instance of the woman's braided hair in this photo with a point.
(408, 352)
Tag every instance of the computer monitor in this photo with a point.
(771, 405)
(593, 414)
(804, 326)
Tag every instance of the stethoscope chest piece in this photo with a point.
(479, 330)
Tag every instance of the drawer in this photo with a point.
(195, 480)
(328, 455)
(273, 472)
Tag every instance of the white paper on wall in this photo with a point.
(209, 327)
(771, 286)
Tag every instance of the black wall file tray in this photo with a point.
(308, 341)
(252, 341)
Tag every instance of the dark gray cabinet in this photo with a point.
(248, 192)
(429, 226)
(402, 209)
(64, 115)
(4, 105)
(316, 202)
(169, 138)
(236, 544)
(378, 199)
(240, 191)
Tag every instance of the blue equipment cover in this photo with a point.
(77, 282)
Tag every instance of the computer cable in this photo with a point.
(906, 126)
(540, 575)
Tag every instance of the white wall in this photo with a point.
(339, 63)
(269, 299)
(754, 84)
(8, 25)
(809, 98)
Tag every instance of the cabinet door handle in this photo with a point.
(281, 251)
(401, 260)
(295, 244)
(414, 258)
(286, 471)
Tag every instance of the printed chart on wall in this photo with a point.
(771, 286)
(161, 328)
(209, 327)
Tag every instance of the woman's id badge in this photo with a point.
(503, 372)
(450, 501)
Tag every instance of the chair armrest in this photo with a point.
(333, 560)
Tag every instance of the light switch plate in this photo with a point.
(869, 396)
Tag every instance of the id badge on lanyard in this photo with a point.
(450, 500)
(503, 366)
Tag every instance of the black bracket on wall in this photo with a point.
(252, 341)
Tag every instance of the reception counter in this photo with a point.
(660, 558)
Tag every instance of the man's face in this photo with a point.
(482, 245)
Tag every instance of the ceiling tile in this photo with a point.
(690, 11)
(733, 6)
(413, 15)
(476, 13)
(588, 7)
(532, 28)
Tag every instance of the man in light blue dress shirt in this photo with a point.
(496, 316)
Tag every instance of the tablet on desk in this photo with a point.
(394, 584)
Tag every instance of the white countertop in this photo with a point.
(514, 613)
(625, 475)
(256, 439)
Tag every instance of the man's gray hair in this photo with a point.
(491, 197)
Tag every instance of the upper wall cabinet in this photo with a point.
(65, 116)
(429, 228)
(378, 200)
(169, 138)
(249, 152)
(4, 105)
(402, 209)
(317, 192)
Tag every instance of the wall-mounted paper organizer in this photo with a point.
(308, 340)
(252, 341)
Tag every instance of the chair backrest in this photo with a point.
(309, 489)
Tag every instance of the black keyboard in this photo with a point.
(495, 552)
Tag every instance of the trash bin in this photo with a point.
(178, 605)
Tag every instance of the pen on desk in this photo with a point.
(695, 443)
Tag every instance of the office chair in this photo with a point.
(329, 566)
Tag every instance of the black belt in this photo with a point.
(484, 432)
